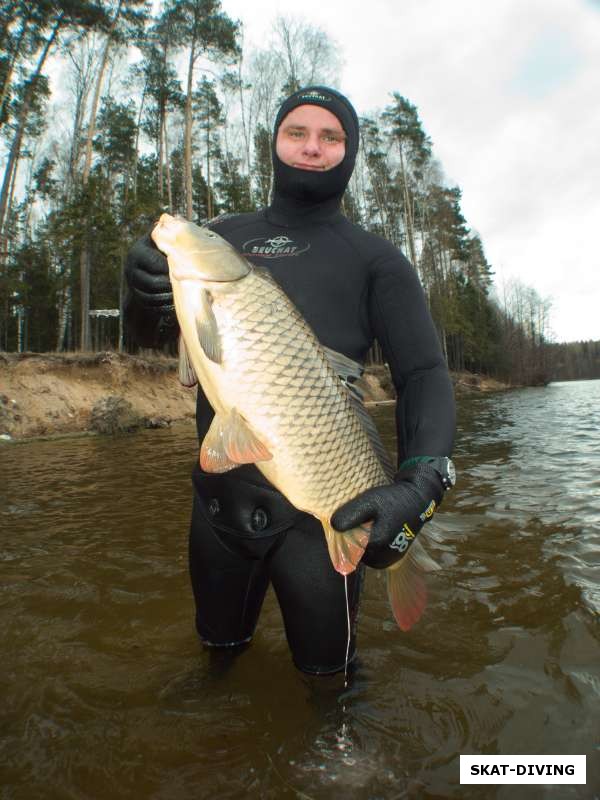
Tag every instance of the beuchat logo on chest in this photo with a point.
(274, 247)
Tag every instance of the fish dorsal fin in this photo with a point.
(366, 420)
(229, 443)
(187, 375)
(208, 331)
(346, 368)
(349, 371)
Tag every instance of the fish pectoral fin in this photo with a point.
(345, 549)
(207, 329)
(187, 375)
(406, 587)
(229, 443)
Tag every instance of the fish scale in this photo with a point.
(269, 355)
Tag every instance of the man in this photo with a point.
(352, 287)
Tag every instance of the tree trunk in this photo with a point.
(87, 164)
(11, 65)
(187, 155)
(168, 164)
(82, 88)
(245, 123)
(9, 179)
(85, 258)
(84, 294)
(74, 150)
(61, 322)
(137, 145)
(28, 195)
(209, 210)
(122, 293)
(160, 151)
(408, 216)
(23, 113)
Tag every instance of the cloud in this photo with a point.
(508, 92)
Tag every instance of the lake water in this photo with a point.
(107, 694)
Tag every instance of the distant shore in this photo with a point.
(57, 394)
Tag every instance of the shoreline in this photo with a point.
(54, 395)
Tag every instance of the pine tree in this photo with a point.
(126, 17)
(163, 92)
(414, 150)
(209, 116)
(205, 31)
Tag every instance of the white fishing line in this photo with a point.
(348, 624)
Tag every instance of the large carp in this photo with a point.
(277, 396)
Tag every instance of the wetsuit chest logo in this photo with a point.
(274, 247)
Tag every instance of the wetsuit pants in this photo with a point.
(230, 574)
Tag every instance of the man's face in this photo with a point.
(311, 138)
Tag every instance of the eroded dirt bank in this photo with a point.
(54, 393)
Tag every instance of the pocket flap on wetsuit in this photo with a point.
(235, 505)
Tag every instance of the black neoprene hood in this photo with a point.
(304, 185)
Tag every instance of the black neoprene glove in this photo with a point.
(147, 274)
(149, 313)
(398, 512)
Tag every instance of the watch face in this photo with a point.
(451, 471)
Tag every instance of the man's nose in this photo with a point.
(312, 145)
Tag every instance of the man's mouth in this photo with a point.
(311, 167)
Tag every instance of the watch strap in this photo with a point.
(411, 462)
(447, 476)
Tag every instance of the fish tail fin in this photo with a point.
(345, 549)
(407, 591)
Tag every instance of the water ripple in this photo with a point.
(104, 684)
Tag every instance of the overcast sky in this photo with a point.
(509, 92)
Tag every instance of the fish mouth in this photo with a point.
(167, 220)
(197, 254)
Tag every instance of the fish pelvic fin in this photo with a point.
(230, 442)
(345, 549)
(407, 591)
(187, 374)
(208, 331)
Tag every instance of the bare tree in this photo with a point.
(305, 54)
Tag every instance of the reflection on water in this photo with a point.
(107, 694)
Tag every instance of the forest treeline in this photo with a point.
(148, 112)
(575, 361)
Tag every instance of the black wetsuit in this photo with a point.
(352, 287)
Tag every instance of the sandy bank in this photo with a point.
(63, 393)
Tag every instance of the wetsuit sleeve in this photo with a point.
(400, 318)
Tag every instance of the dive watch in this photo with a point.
(445, 469)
